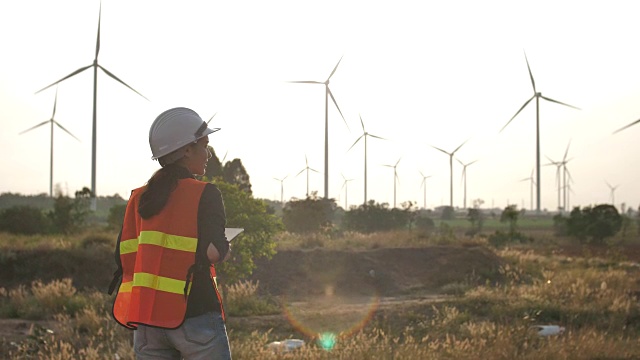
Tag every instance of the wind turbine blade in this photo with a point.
(33, 127)
(566, 152)
(514, 116)
(65, 78)
(474, 161)
(305, 160)
(120, 81)
(397, 162)
(458, 148)
(301, 171)
(377, 137)
(362, 123)
(98, 37)
(55, 104)
(558, 102)
(458, 160)
(533, 83)
(306, 82)
(314, 170)
(211, 118)
(437, 148)
(338, 107)
(67, 131)
(624, 127)
(354, 144)
(335, 68)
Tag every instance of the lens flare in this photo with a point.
(347, 316)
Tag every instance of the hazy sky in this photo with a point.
(420, 74)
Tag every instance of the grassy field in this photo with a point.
(590, 291)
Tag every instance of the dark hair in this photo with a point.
(159, 187)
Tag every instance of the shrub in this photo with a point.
(309, 215)
(425, 224)
(25, 220)
(373, 217)
(595, 224)
(241, 299)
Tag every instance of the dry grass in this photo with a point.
(594, 298)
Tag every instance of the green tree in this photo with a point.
(235, 173)
(511, 214)
(256, 241)
(594, 225)
(24, 219)
(69, 215)
(312, 214)
(214, 166)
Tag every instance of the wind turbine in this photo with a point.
(95, 67)
(450, 170)
(565, 173)
(327, 94)
(532, 182)
(281, 189)
(307, 168)
(424, 183)
(344, 186)
(558, 165)
(364, 135)
(464, 178)
(51, 121)
(395, 177)
(537, 95)
(613, 190)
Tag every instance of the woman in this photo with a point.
(172, 234)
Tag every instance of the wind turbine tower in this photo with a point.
(450, 169)
(364, 135)
(95, 67)
(51, 121)
(345, 187)
(327, 94)
(464, 178)
(613, 193)
(395, 179)
(537, 95)
(307, 168)
(424, 183)
(281, 189)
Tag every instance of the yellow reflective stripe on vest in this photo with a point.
(128, 246)
(126, 287)
(159, 283)
(168, 241)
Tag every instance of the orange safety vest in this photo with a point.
(157, 255)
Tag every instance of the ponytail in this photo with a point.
(159, 187)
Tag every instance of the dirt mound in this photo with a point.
(390, 272)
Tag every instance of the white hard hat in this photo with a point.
(174, 129)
